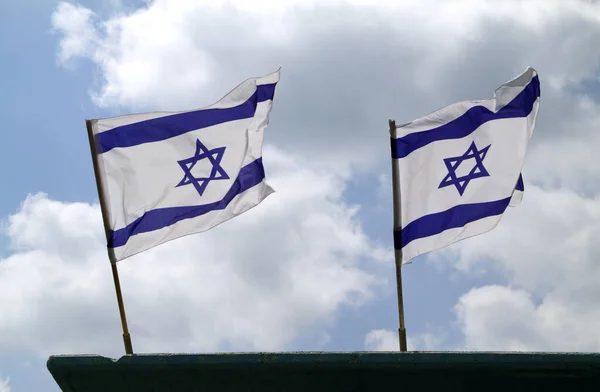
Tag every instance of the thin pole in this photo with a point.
(398, 252)
(111, 253)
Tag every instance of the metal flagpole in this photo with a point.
(398, 252)
(111, 254)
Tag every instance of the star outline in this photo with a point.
(217, 172)
(453, 163)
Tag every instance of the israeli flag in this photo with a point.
(164, 175)
(460, 167)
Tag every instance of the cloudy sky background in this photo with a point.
(311, 268)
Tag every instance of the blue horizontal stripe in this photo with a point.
(162, 128)
(466, 124)
(520, 185)
(454, 217)
(250, 175)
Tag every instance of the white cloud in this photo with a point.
(547, 250)
(5, 384)
(287, 265)
(168, 40)
(497, 318)
(567, 159)
(501, 318)
(342, 76)
(386, 340)
(75, 22)
(382, 340)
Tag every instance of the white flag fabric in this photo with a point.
(165, 175)
(460, 166)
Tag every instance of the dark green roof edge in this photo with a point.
(337, 359)
(328, 372)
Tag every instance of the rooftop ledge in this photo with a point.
(329, 371)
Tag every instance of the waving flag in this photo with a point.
(164, 175)
(459, 168)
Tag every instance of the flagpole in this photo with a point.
(398, 252)
(111, 253)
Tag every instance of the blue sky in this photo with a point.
(327, 153)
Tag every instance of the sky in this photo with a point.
(310, 268)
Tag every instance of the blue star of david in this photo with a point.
(216, 173)
(453, 163)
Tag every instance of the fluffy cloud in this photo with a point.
(284, 267)
(386, 340)
(80, 35)
(564, 151)
(547, 249)
(347, 65)
(383, 340)
(5, 384)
